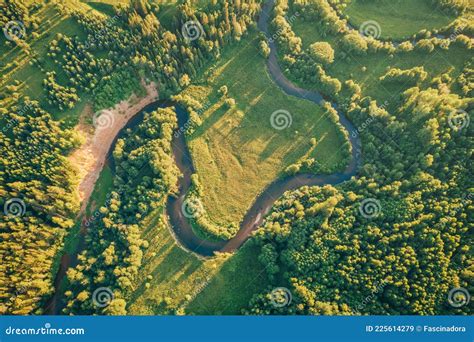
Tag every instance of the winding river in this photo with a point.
(254, 217)
(181, 227)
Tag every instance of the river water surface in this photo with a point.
(180, 225)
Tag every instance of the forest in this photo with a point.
(373, 142)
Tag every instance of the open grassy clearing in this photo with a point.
(102, 189)
(182, 283)
(398, 19)
(231, 289)
(15, 64)
(104, 7)
(366, 70)
(236, 151)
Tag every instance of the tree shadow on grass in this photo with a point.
(189, 270)
(209, 122)
(232, 287)
(172, 261)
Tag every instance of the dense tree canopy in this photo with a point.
(107, 65)
(394, 240)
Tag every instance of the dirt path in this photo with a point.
(89, 159)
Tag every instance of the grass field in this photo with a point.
(183, 283)
(15, 64)
(102, 189)
(105, 7)
(179, 279)
(236, 151)
(398, 19)
(366, 70)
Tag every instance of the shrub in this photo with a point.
(322, 52)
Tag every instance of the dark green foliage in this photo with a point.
(145, 174)
(405, 258)
(33, 171)
(62, 97)
(145, 169)
(106, 67)
(116, 87)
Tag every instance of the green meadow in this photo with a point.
(236, 151)
(398, 19)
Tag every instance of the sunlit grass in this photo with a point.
(366, 69)
(236, 151)
(398, 18)
(183, 283)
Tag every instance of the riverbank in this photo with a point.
(99, 145)
(90, 158)
(263, 203)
